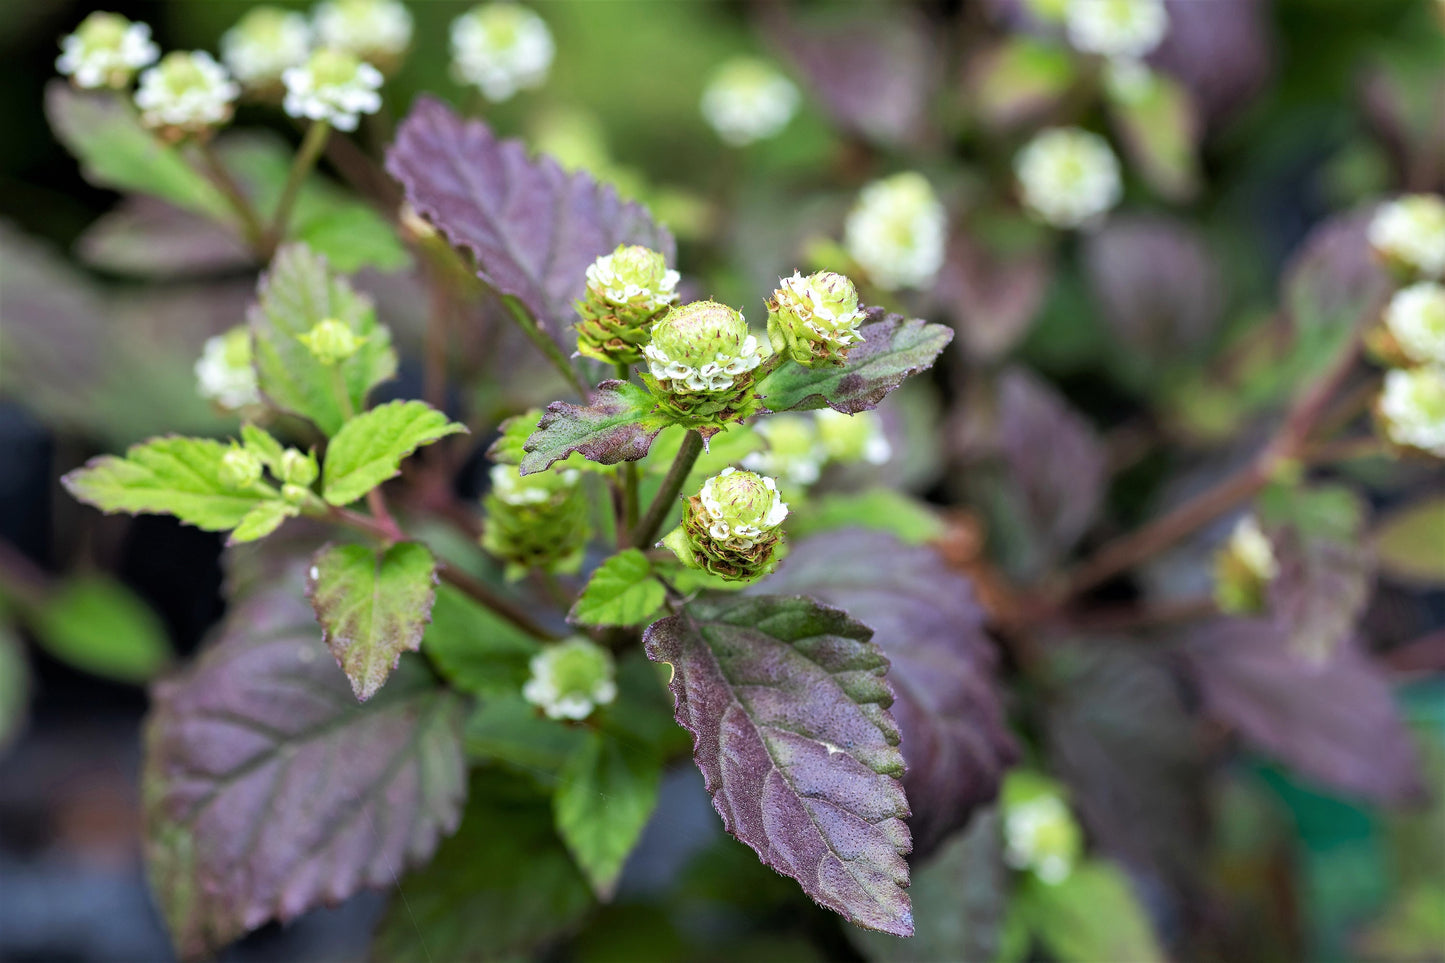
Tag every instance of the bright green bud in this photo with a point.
(701, 361)
(331, 342)
(537, 521)
(299, 495)
(815, 319)
(240, 469)
(571, 679)
(298, 468)
(1243, 569)
(730, 528)
(854, 438)
(627, 291)
(1040, 834)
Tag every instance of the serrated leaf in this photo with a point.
(373, 605)
(618, 425)
(1092, 915)
(269, 790)
(98, 625)
(370, 447)
(1410, 542)
(298, 291)
(893, 347)
(788, 706)
(622, 591)
(605, 794)
(478, 652)
(262, 520)
(165, 476)
(532, 228)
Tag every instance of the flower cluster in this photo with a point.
(333, 85)
(501, 48)
(799, 445)
(701, 358)
(106, 50)
(224, 373)
(1409, 233)
(748, 100)
(627, 291)
(186, 93)
(376, 31)
(264, 44)
(1412, 408)
(814, 319)
(571, 679)
(537, 521)
(897, 232)
(1040, 834)
(1243, 568)
(730, 527)
(1126, 29)
(1068, 177)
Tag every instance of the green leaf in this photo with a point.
(892, 349)
(1019, 80)
(299, 290)
(509, 729)
(14, 686)
(96, 624)
(373, 606)
(262, 520)
(618, 425)
(1159, 129)
(369, 448)
(1410, 542)
(879, 509)
(258, 441)
(104, 133)
(605, 794)
(477, 650)
(1092, 915)
(622, 591)
(166, 476)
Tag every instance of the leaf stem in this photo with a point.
(533, 330)
(311, 147)
(251, 227)
(651, 525)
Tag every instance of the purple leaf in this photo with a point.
(992, 297)
(893, 348)
(788, 706)
(1334, 276)
(151, 238)
(1220, 50)
(926, 621)
(618, 425)
(270, 790)
(532, 227)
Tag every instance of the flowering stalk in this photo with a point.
(251, 225)
(651, 525)
(311, 147)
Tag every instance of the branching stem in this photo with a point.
(533, 330)
(251, 226)
(651, 525)
(310, 149)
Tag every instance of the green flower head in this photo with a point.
(240, 469)
(571, 679)
(331, 341)
(537, 521)
(815, 319)
(730, 528)
(627, 291)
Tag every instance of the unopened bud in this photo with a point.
(298, 468)
(815, 319)
(331, 342)
(240, 469)
(627, 291)
(1041, 836)
(730, 528)
(571, 679)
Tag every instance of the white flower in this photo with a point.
(264, 43)
(501, 48)
(187, 91)
(748, 100)
(1251, 547)
(740, 526)
(856, 437)
(896, 232)
(1038, 836)
(1116, 28)
(514, 488)
(629, 278)
(719, 374)
(333, 86)
(105, 51)
(1412, 408)
(1416, 318)
(571, 679)
(224, 373)
(1068, 176)
(1411, 230)
(377, 31)
(794, 455)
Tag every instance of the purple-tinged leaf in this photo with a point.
(927, 623)
(269, 790)
(532, 227)
(893, 348)
(1333, 276)
(1019, 80)
(1221, 50)
(788, 706)
(1159, 130)
(618, 425)
(992, 297)
(148, 237)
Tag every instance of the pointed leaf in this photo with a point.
(1160, 130)
(532, 228)
(623, 591)
(788, 706)
(1092, 915)
(893, 348)
(147, 237)
(372, 605)
(1411, 542)
(605, 795)
(370, 447)
(98, 625)
(262, 520)
(476, 650)
(298, 291)
(619, 425)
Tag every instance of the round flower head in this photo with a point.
(501, 48)
(730, 527)
(571, 679)
(748, 100)
(186, 93)
(896, 232)
(1412, 408)
(263, 44)
(333, 86)
(536, 521)
(239, 468)
(224, 374)
(331, 341)
(376, 31)
(814, 319)
(1116, 28)
(854, 438)
(794, 455)
(627, 291)
(701, 360)
(1410, 232)
(1415, 318)
(1068, 177)
(1040, 834)
(1243, 567)
(105, 51)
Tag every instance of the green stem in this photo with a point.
(651, 525)
(251, 225)
(311, 147)
(533, 330)
(630, 506)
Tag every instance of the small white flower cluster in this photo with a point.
(1032, 832)
(106, 50)
(377, 31)
(1412, 408)
(264, 44)
(1411, 232)
(1068, 177)
(224, 373)
(514, 488)
(856, 437)
(748, 100)
(1252, 548)
(606, 283)
(826, 315)
(333, 86)
(1124, 29)
(739, 535)
(571, 679)
(897, 232)
(795, 454)
(716, 375)
(501, 48)
(1416, 319)
(186, 92)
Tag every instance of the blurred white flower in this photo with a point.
(748, 100)
(376, 31)
(105, 51)
(897, 232)
(1411, 231)
(333, 86)
(1412, 408)
(264, 43)
(501, 48)
(1068, 176)
(571, 679)
(1039, 835)
(1416, 319)
(186, 91)
(1252, 548)
(224, 373)
(794, 454)
(853, 438)
(1130, 29)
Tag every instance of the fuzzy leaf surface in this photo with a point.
(373, 606)
(788, 706)
(619, 425)
(299, 290)
(370, 447)
(532, 227)
(269, 790)
(623, 591)
(893, 348)
(606, 792)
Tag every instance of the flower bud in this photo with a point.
(239, 469)
(1412, 408)
(897, 231)
(1243, 568)
(376, 31)
(1415, 319)
(730, 528)
(301, 495)
(627, 291)
(501, 48)
(1068, 177)
(794, 455)
(537, 521)
(701, 360)
(748, 100)
(224, 373)
(298, 468)
(1040, 834)
(331, 341)
(1409, 233)
(1127, 29)
(186, 93)
(334, 86)
(263, 45)
(571, 679)
(854, 438)
(106, 50)
(814, 319)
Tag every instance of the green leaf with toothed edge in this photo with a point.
(606, 792)
(370, 448)
(619, 424)
(262, 520)
(623, 591)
